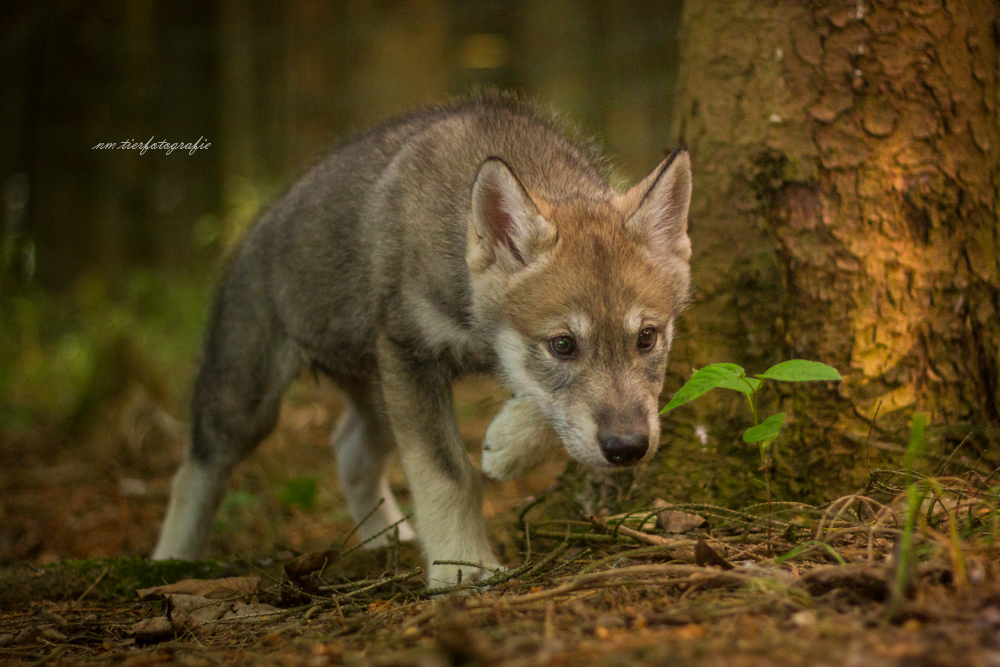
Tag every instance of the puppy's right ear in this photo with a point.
(505, 226)
(659, 208)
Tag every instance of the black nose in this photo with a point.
(624, 450)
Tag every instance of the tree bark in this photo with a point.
(847, 159)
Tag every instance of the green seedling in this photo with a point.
(731, 376)
(915, 494)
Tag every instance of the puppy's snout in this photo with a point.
(624, 450)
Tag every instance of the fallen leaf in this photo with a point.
(54, 619)
(705, 555)
(50, 634)
(239, 609)
(153, 630)
(206, 588)
(676, 521)
(180, 619)
(32, 635)
(314, 561)
(199, 609)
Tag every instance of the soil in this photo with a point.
(666, 584)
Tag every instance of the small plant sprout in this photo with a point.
(731, 376)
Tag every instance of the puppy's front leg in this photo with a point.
(447, 496)
(517, 441)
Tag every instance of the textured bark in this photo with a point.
(846, 158)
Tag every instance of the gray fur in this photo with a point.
(361, 271)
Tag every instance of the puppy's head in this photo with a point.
(581, 297)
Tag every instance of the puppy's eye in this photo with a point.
(647, 338)
(562, 346)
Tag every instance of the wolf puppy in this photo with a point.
(471, 237)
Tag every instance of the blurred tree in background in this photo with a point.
(272, 85)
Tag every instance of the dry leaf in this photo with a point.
(32, 635)
(314, 561)
(676, 521)
(249, 609)
(153, 630)
(200, 609)
(206, 588)
(705, 555)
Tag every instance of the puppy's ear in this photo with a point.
(659, 206)
(505, 226)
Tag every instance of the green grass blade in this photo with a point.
(784, 558)
(918, 442)
(915, 494)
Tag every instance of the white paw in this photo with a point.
(442, 575)
(518, 440)
(385, 537)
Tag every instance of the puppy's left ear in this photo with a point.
(658, 208)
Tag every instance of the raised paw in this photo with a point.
(517, 441)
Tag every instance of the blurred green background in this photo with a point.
(109, 257)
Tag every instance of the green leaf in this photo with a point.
(704, 380)
(735, 369)
(740, 382)
(743, 384)
(800, 370)
(766, 430)
(300, 491)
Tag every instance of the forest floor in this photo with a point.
(671, 585)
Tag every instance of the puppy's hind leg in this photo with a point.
(363, 442)
(248, 365)
(196, 492)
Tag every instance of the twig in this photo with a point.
(378, 582)
(871, 428)
(579, 537)
(93, 585)
(342, 542)
(55, 655)
(631, 553)
(645, 538)
(549, 557)
(373, 537)
(604, 578)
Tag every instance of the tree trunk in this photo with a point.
(846, 159)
